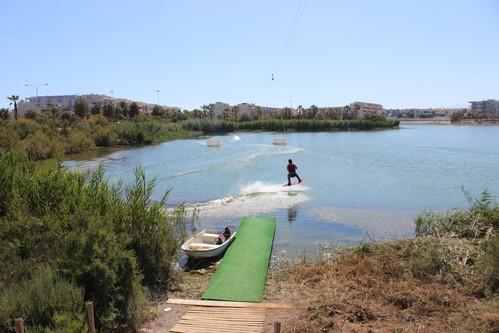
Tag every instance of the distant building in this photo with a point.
(486, 106)
(62, 102)
(249, 109)
(38, 103)
(246, 108)
(268, 109)
(97, 99)
(219, 108)
(362, 108)
(66, 102)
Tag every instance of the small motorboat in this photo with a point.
(204, 244)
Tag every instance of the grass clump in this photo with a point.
(45, 300)
(481, 220)
(112, 243)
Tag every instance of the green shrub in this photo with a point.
(427, 259)
(97, 258)
(103, 137)
(40, 146)
(153, 241)
(26, 128)
(480, 220)
(490, 263)
(113, 241)
(78, 142)
(45, 300)
(8, 139)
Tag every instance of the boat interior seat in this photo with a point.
(210, 238)
(202, 246)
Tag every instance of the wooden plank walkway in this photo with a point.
(221, 319)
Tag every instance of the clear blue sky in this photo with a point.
(397, 53)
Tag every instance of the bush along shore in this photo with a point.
(66, 238)
(43, 137)
(445, 279)
(296, 125)
(51, 134)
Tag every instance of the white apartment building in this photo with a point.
(219, 108)
(38, 103)
(269, 109)
(363, 108)
(246, 108)
(486, 106)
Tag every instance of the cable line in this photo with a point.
(287, 42)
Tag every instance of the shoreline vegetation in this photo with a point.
(470, 117)
(292, 125)
(67, 238)
(445, 279)
(52, 134)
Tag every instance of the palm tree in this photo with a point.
(235, 113)
(286, 113)
(300, 110)
(259, 112)
(313, 111)
(205, 111)
(211, 110)
(14, 99)
(227, 112)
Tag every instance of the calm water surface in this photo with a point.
(357, 184)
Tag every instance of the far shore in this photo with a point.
(448, 122)
(426, 121)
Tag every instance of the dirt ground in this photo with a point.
(188, 285)
(372, 293)
(375, 294)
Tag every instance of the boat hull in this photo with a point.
(209, 252)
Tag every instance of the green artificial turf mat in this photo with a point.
(242, 273)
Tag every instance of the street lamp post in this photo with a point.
(36, 86)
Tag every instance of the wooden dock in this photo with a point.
(200, 319)
(223, 317)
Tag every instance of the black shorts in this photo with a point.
(290, 175)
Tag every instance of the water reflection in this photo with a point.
(292, 213)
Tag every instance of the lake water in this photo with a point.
(357, 185)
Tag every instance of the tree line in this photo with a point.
(464, 115)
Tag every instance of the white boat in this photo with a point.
(204, 245)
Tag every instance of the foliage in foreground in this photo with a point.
(48, 299)
(100, 242)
